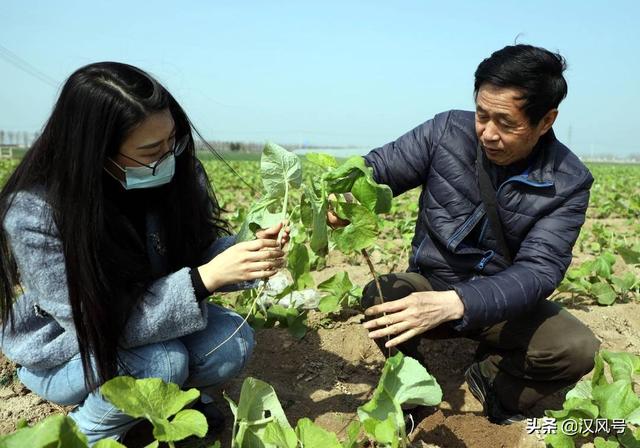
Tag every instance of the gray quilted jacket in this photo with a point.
(44, 335)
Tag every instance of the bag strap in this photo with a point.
(488, 195)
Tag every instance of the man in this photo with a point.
(488, 279)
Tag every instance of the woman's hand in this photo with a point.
(249, 260)
(273, 232)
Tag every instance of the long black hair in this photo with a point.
(99, 105)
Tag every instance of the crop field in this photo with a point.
(316, 356)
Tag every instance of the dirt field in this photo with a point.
(333, 369)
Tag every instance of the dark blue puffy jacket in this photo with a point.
(541, 208)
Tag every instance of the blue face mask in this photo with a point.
(143, 176)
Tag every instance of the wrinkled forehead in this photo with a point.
(500, 100)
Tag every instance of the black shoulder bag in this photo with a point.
(488, 195)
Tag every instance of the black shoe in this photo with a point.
(215, 418)
(482, 388)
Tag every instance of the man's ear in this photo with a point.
(547, 121)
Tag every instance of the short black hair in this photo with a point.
(534, 70)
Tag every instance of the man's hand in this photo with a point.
(412, 315)
(333, 220)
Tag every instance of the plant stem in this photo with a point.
(380, 300)
(244, 321)
(284, 211)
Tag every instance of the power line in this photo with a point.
(23, 65)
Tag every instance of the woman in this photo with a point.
(114, 236)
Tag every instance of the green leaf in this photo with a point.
(342, 178)
(353, 431)
(616, 400)
(280, 436)
(375, 197)
(403, 380)
(339, 287)
(598, 377)
(279, 169)
(298, 266)
(155, 400)
(54, 431)
(604, 293)
(623, 365)
(384, 432)
(313, 214)
(603, 265)
(322, 160)
(625, 283)
(261, 215)
(361, 233)
(581, 390)
(257, 407)
(599, 442)
(186, 423)
(629, 255)
(312, 435)
(559, 440)
(630, 439)
(575, 408)
(356, 177)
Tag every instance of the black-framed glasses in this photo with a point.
(178, 148)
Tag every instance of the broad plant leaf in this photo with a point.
(629, 255)
(362, 231)
(600, 442)
(403, 380)
(313, 214)
(581, 390)
(312, 435)
(155, 400)
(604, 293)
(261, 215)
(630, 439)
(338, 288)
(575, 408)
(186, 423)
(56, 431)
(291, 318)
(356, 177)
(559, 440)
(258, 406)
(623, 365)
(617, 400)
(625, 283)
(298, 266)
(280, 436)
(322, 160)
(279, 169)
(384, 432)
(353, 431)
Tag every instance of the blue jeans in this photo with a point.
(182, 361)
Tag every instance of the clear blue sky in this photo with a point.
(328, 73)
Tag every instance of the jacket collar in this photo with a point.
(541, 168)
